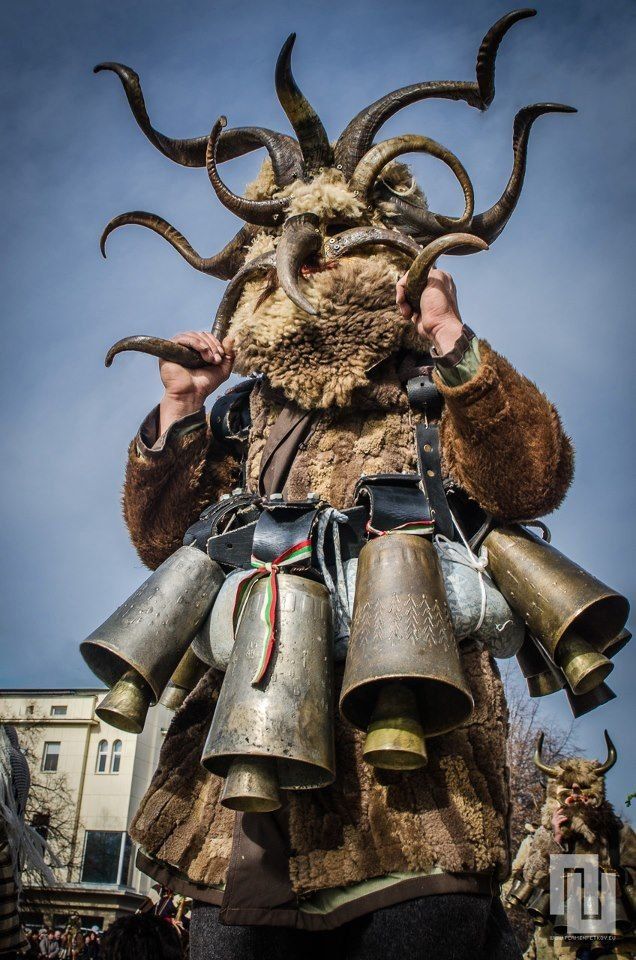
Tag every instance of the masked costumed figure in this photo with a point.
(577, 819)
(369, 453)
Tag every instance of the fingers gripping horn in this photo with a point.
(300, 240)
(264, 213)
(538, 760)
(612, 756)
(223, 265)
(179, 353)
(417, 276)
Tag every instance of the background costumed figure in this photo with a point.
(356, 408)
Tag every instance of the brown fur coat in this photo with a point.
(502, 441)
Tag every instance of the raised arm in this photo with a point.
(175, 466)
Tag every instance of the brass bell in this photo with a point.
(543, 677)
(403, 677)
(582, 665)
(538, 906)
(183, 680)
(586, 702)
(557, 599)
(276, 734)
(136, 650)
(521, 892)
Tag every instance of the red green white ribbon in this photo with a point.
(300, 551)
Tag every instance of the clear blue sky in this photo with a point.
(554, 293)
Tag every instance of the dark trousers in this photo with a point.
(449, 927)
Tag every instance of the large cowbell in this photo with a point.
(136, 650)
(574, 616)
(277, 733)
(403, 678)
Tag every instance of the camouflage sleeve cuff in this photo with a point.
(150, 446)
(461, 363)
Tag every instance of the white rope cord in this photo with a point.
(468, 559)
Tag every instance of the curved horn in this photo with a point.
(350, 241)
(283, 150)
(490, 224)
(223, 265)
(311, 134)
(157, 347)
(417, 276)
(538, 760)
(264, 213)
(375, 159)
(179, 353)
(300, 240)
(234, 289)
(358, 136)
(612, 756)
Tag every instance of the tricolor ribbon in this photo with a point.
(420, 528)
(300, 551)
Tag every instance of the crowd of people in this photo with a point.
(47, 942)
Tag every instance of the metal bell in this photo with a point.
(403, 677)
(521, 892)
(543, 677)
(183, 680)
(614, 646)
(538, 906)
(557, 599)
(586, 702)
(582, 665)
(136, 650)
(279, 732)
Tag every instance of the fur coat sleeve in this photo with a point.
(166, 490)
(502, 441)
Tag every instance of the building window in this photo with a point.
(106, 857)
(115, 757)
(50, 756)
(102, 757)
(41, 823)
(59, 710)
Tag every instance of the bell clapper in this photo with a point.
(127, 703)
(251, 785)
(584, 667)
(395, 738)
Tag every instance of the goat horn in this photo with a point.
(612, 756)
(157, 347)
(234, 289)
(538, 761)
(490, 224)
(375, 159)
(358, 136)
(223, 265)
(350, 241)
(311, 134)
(300, 240)
(283, 150)
(417, 276)
(264, 213)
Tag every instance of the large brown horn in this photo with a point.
(350, 241)
(489, 225)
(283, 150)
(358, 136)
(178, 352)
(538, 760)
(300, 240)
(227, 306)
(264, 213)
(312, 137)
(375, 159)
(417, 276)
(612, 756)
(223, 265)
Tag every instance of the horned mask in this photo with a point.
(382, 209)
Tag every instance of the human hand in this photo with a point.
(560, 823)
(186, 390)
(438, 319)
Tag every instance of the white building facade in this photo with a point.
(100, 773)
